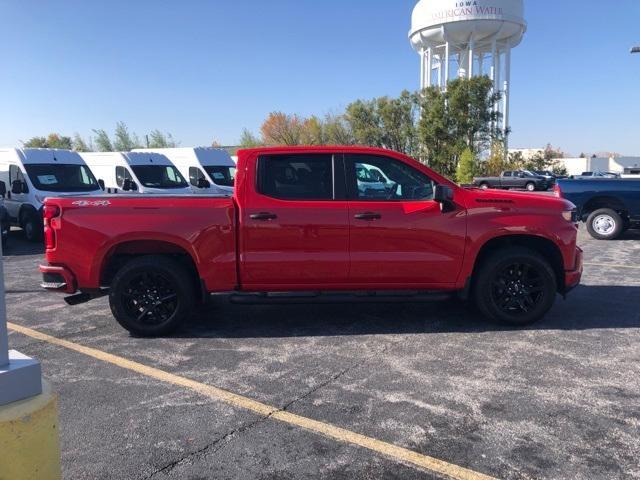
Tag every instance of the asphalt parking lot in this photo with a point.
(558, 400)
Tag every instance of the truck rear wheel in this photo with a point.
(516, 286)
(150, 296)
(484, 186)
(605, 224)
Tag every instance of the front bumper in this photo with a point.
(572, 277)
(58, 278)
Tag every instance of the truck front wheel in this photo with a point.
(531, 187)
(150, 296)
(605, 224)
(516, 286)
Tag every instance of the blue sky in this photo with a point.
(204, 70)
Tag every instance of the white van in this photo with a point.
(136, 172)
(209, 170)
(29, 175)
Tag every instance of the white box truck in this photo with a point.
(209, 170)
(29, 175)
(136, 172)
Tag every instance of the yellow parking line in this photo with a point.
(612, 265)
(326, 429)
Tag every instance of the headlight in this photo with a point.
(570, 215)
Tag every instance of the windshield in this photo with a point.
(54, 177)
(224, 176)
(159, 176)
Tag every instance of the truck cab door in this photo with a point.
(400, 237)
(294, 228)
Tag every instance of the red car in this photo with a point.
(317, 220)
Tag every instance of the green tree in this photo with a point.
(337, 130)
(35, 142)
(385, 122)
(466, 167)
(53, 140)
(249, 140)
(460, 117)
(102, 140)
(79, 145)
(158, 139)
(124, 141)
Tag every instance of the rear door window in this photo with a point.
(296, 177)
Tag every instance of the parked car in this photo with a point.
(136, 172)
(209, 170)
(514, 179)
(30, 175)
(596, 174)
(608, 206)
(298, 222)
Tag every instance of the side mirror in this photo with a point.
(203, 183)
(444, 196)
(101, 184)
(18, 187)
(3, 189)
(129, 185)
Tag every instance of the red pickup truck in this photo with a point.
(313, 221)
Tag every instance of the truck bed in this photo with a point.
(98, 229)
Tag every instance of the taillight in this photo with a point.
(556, 191)
(50, 213)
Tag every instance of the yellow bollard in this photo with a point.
(29, 440)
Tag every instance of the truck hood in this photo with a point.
(483, 198)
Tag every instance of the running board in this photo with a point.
(80, 298)
(337, 297)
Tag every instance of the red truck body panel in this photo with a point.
(312, 245)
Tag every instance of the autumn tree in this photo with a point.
(337, 130)
(282, 129)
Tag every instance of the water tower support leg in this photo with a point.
(446, 65)
(429, 71)
(507, 87)
(472, 46)
(421, 70)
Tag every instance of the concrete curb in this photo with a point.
(29, 440)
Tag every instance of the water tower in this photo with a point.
(465, 38)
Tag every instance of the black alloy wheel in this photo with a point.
(150, 296)
(515, 285)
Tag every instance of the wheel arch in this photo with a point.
(121, 253)
(542, 245)
(604, 201)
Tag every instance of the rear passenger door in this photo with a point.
(294, 224)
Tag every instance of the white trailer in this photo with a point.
(29, 175)
(209, 170)
(136, 172)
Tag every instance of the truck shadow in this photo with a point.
(588, 307)
(17, 245)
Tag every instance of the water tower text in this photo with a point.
(467, 8)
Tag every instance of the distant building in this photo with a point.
(623, 165)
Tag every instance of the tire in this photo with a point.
(605, 224)
(516, 270)
(484, 186)
(32, 227)
(157, 285)
(531, 187)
